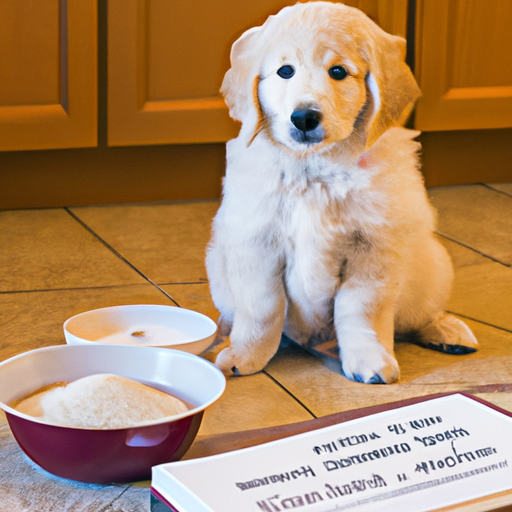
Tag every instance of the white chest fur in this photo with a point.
(303, 220)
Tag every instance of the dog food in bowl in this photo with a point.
(107, 455)
(100, 401)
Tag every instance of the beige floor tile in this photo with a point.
(48, 249)
(462, 256)
(503, 400)
(135, 498)
(324, 391)
(34, 319)
(166, 242)
(423, 372)
(249, 402)
(491, 364)
(26, 487)
(483, 292)
(482, 287)
(502, 187)
(476, 216)
(194, 296)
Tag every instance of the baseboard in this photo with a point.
(74, 177)
(468, 156)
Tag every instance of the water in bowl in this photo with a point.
(147, 334)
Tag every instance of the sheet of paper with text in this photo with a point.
(420, 457)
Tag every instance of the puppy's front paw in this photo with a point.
(370, 365)
(233, 361)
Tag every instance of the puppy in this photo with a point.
(325, 229)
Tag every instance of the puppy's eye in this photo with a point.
(286, 72)
(338, 72)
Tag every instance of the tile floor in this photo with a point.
(55, 263)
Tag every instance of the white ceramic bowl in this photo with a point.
(108, 455)
(142, 325)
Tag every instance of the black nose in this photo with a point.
(306, 120)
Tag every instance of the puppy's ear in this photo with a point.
(390, 84)
(238, 84)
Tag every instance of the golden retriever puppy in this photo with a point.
(325, 229)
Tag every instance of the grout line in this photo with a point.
(108, 506)
(205, 281)
(291, 394)
(473, 249)
(490, 187)
(71, 288)
(163, 202)
(101, 287)
(168, 295)
(480, 321)
(120, 256)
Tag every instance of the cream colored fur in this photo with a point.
(332, 237)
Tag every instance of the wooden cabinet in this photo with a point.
(167, 60)
(122, 76)
(165, 67)
(464, 65)
(106, 78)
(165, 64)
(48, 86)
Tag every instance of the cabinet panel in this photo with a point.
(472, 44)
(464, 70)
(167, 60)
(48, 93)
(30, 52)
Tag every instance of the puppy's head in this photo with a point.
(316, 73)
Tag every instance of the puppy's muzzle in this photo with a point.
(307, 125)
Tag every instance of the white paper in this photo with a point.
(420, 457)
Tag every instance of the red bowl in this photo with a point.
(101, 455)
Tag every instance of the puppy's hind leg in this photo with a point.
(425, 297)
(446, 333)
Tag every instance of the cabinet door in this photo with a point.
(167, 59)
(48, 84)
(464, 64)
